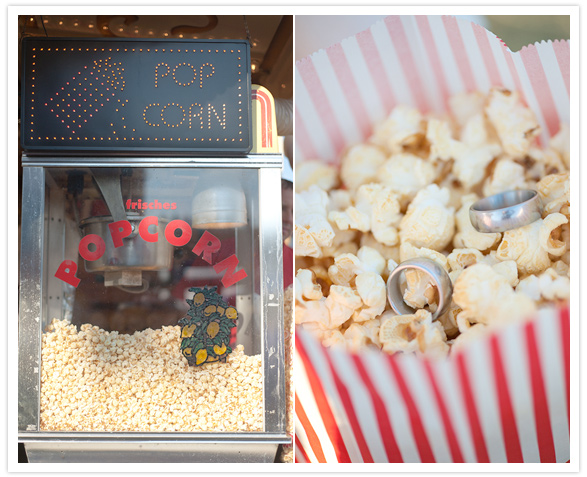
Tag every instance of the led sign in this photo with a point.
(136, 96)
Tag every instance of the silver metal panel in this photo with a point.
(30, 298)
(151, 447)
(114, 452)
(250, 161)
(54, 253)
(271, 273)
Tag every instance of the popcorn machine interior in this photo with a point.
(151, 286)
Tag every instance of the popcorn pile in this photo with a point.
(95, 380)
(406, 193)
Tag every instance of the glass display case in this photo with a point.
(102, 297)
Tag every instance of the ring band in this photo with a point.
(435, 271)
(506, 211)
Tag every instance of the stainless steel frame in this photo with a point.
(129, 447)
(148, 447)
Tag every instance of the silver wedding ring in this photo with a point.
(506, 211)
(438, 275)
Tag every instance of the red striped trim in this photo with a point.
(377, 71)
(343, 71)
(458, 49)
(383, 419)
(451, 436)
(266, 117)
(511, 437)
(318, 96)
(263, 121)
(326, 413)
(487, 55)
(303, 140)
(424, 449)
(541, 88)
(472, 414)
(541, 413)
(347, 404)
(313, 438)
(433, 57)
(565, 325)
(300, 452)
(407, 60)
(563, 57)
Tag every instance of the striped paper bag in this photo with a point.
(505, 399)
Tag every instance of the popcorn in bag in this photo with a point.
(398, 131)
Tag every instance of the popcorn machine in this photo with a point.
(151, 303)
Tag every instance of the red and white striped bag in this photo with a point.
(505, 398)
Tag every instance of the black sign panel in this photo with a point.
(136, 96)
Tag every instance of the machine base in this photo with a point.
(139, 451)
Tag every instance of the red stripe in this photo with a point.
(303, 140)
(472, 414)
(487, 54)
(563, 57)
(508, 423)
(377, 71)
(407, 60)
(347, 404)
(341, 66)
(268, 124)
(300, 451)
(426, 454)
(451, 436)
(318, 96)
(458, 49)
(313, 439)
(433, 56)
(566, 343)
(383, 418)
(541, 88)
(541, 413)
(326, 413)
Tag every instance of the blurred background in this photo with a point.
(515, 30)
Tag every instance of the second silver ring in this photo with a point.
(439, 277)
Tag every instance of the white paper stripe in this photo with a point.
(391, 64)
(315, 128)
(499, 53)
(310, 407)
(362, 406)
(518, 378)
(483, 387)
(304, 442)
(551, 361)
(365, 86)
(474, 55)
(396, 408)
(423, 394)
(451, 71)
(555, 80)
(317, 358)
(343, 114)
(450, 388)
